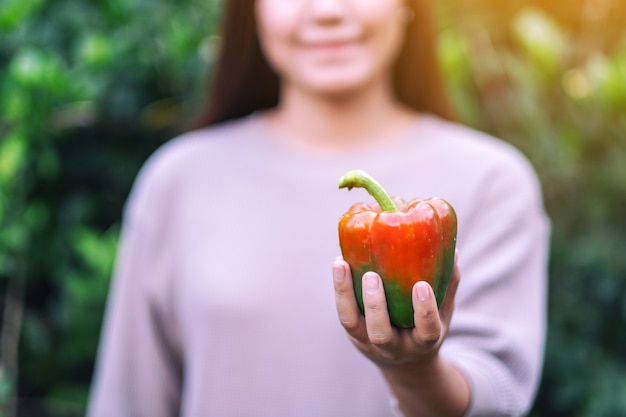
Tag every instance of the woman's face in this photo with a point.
(331, 47)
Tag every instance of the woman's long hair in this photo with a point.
(243, 81)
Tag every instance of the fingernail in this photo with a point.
(423, 291)
(371, 283)
(338, 273)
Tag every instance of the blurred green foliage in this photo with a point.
(88, 89)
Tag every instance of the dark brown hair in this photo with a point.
(243, 81)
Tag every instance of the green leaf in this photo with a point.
(608, 75)
(96, 250)
(28, 67)
(14, 103)
(12, 158)
(15, 12)
(35, 68)
(542, 38)
(95, 50)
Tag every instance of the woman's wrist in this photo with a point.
(411, 374)
(431, 387)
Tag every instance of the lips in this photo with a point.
(330, 46)
(330, 39)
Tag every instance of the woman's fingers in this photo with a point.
(348, 311)
(377, 322)
(373, 332)
(432, 323)
(428, 327)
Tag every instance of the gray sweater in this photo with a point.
(222, 302)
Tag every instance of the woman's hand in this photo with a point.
(373, 333)
(408, 358)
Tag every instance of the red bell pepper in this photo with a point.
(404, 242)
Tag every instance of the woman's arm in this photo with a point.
(138, 370)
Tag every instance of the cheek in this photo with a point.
(387, 32)
(276, 23)
(387, 23)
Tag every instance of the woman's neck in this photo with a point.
(337, 124)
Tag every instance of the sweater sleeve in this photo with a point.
(497, 333)
(138, 370)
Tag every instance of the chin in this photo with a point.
(339, 84)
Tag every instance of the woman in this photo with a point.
(221, 304)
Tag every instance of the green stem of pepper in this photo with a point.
(361, 179)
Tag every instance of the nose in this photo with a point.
(327, 12)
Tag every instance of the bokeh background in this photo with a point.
(89, 88)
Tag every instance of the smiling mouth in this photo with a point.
(330, 46)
